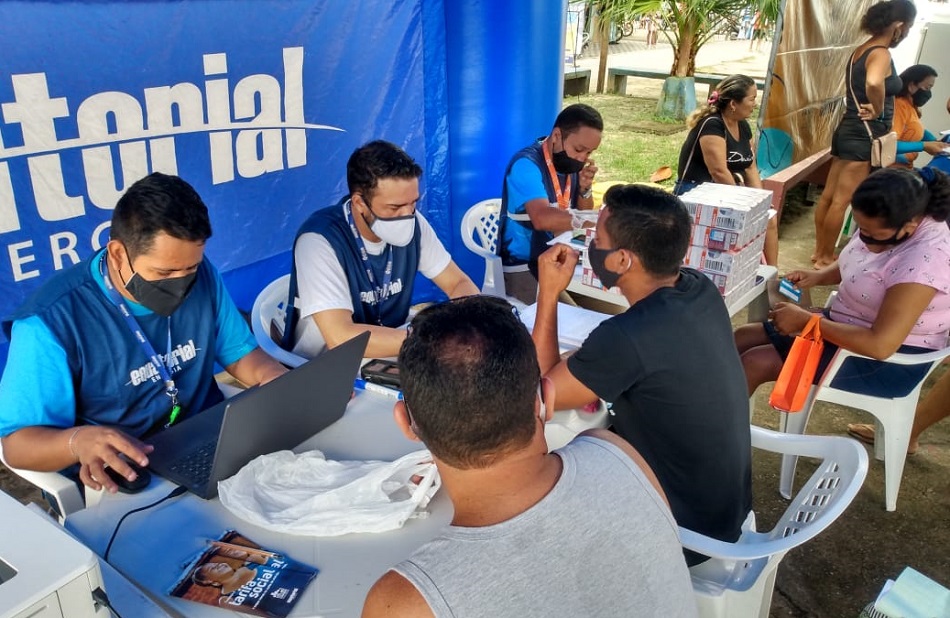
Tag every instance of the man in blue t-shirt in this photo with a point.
(542, 182)
(124, 343)
(668, 364)
(355, 263)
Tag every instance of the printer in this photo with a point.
(44, 572)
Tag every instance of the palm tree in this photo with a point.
(689, 25)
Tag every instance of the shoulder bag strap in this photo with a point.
(689, 159)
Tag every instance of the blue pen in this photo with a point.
(362, 385)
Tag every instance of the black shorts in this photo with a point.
(851, 142)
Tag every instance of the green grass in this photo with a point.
(629, 151)
(626, 154)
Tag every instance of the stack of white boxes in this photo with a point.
(728, 234)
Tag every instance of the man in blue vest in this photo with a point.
(542, 182)
(125, 343)
(355, 263)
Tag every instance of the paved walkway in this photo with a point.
(716, 56)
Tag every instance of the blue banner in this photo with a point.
(258, 104)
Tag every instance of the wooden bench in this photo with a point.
(811, 169)
(576, 81)
(617, 79)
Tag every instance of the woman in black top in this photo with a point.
(719, 146)
(870, 77)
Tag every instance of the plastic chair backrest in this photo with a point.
(741, 574)
(481, 226)
(267, 320)
(821, 500)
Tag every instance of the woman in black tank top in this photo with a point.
(870, 77)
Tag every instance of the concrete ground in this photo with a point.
(841, 570)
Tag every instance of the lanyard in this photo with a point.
(378, 295)
(563, 198)
(170, 389)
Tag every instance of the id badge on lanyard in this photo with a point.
(563, 197)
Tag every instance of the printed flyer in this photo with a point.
(235, 573)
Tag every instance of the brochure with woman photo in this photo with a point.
(235, 573)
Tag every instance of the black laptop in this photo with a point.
(213, 445)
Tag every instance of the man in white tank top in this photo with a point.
(534, 533)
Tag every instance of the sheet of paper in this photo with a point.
(574, 324)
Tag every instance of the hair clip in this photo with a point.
(713, 98)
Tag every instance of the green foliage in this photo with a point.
(689, 23)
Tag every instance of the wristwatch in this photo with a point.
(587, 194)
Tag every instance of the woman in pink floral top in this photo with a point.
(894, 292)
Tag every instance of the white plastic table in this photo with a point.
(152, 546)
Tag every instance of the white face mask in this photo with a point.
(396, 231)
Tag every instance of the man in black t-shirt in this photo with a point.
(668, 364)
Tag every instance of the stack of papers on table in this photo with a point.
(574, 324)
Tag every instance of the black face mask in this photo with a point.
(921, 97)
(597, 259)
(893, 240)
(163, 296)
(563, 164)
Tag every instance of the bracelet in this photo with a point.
(72, 438)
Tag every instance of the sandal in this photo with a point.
(865, 433)
(862, 431)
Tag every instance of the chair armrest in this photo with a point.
(58, 487)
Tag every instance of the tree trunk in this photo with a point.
(684, 56)
(678, 98)
(603, 40)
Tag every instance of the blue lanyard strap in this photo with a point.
(170, 389)
(379, 295)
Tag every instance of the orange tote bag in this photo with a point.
(798, 372)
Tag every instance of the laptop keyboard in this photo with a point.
(196, 466)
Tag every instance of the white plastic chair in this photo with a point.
(894, 418)
(738, 580)
(267, 321)
(61, 490)
(481, 226)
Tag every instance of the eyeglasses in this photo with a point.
(482, 299)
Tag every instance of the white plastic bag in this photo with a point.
(307, 494)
